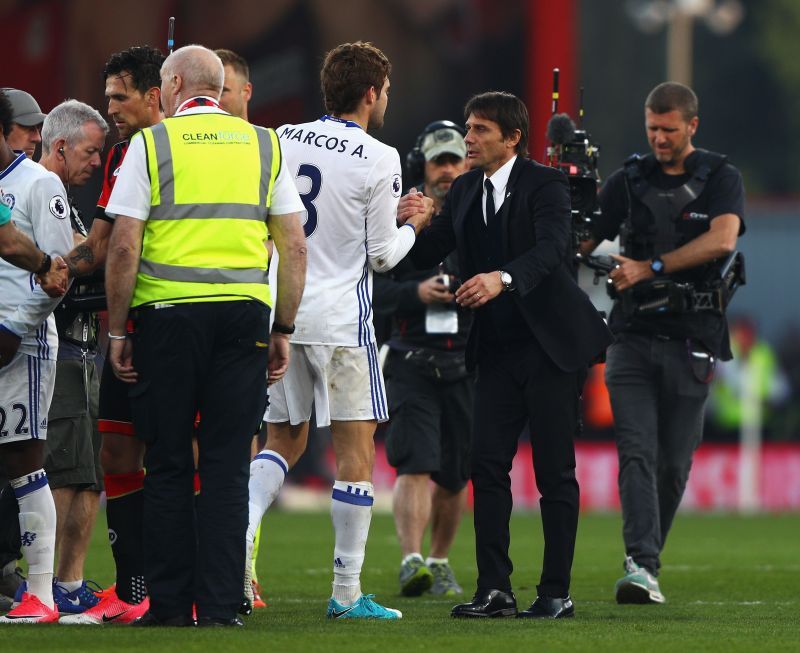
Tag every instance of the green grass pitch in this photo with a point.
(732, 584)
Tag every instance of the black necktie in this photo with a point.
(489, 200)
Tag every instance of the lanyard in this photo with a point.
(200, 101)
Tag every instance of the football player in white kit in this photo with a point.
(350, 184)
(28, 347)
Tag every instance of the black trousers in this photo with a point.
(209, 358)
(517, 384)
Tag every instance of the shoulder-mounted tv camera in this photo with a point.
(572, 151)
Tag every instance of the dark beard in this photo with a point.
(438, 191)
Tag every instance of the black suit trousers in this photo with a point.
(518, 384)
(192, 358)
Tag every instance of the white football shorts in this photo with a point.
(26, 390)
(344, 384)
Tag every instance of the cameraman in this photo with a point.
(678, 211)
(429, 389)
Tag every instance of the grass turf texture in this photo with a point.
(732, 584)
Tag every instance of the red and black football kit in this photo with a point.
(115, 407)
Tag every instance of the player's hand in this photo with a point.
(433, 291)
(422, 219)
(278, 357)
(412, 203)
(9, 345)
(629, 272)
(120, 355)
(482, 288)
(54, 281)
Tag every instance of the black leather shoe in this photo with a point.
(546, 607)
(148, 619)
(212, 622)
(490, 603)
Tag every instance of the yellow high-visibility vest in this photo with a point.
(211, 181)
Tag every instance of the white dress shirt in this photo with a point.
(499, 182)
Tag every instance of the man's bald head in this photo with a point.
(188, 72)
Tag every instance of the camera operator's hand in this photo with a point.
(482, 288)
(434, 291)
(629, 272)
(9, 345)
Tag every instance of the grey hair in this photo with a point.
(200, 68)
(66, 121)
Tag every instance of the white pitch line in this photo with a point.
(743, 603)
(328, 570)
(610, 602)
(444, 604)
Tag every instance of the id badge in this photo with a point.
(441, 318)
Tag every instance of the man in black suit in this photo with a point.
(534, 335)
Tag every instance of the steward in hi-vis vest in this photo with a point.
(194, 202)
(211, 180)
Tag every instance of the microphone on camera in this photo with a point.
(560, 129)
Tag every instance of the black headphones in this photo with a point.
(415, 159)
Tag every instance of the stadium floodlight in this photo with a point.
(679, 16)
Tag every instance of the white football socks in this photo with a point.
(37, 525)
(267, 473)
(70, 585)
(351, 513)
(412, 556)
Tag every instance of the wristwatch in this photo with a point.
(657, 266)
(507, 280)
(282, 328)
(44, 268)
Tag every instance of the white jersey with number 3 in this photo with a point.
(350, 184)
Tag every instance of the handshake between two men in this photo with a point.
(416, 209)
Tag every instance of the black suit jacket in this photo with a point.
(536, 228)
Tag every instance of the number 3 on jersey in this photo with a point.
(315, 177)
